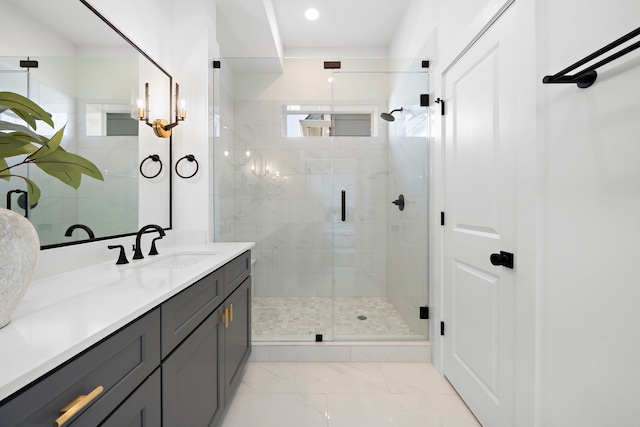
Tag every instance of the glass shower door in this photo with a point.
(380, 251)
(273, 170)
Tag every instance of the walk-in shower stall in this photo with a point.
(306, 167)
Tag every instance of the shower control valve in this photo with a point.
(399, 202)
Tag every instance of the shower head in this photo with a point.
(389, 116)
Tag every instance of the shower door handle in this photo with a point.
(344, 206)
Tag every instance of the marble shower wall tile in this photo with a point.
(297, 212)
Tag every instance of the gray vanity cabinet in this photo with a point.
(141, 409)
(176, 365)
(118, 365)
(192, 392)
(237, 336)
(201, 372)
(236, 271)
(185, 311)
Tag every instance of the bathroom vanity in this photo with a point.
(162, 341)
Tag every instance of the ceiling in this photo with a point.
(342, 23)
(257, 28)
(271, 28)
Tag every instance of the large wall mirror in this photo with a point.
(88, 76)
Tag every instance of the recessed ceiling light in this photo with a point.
(312, 14)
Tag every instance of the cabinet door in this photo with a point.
(191, 390)
(236, 271)
(118, 364)
(237, 336)
(186, 310)
(141, 409)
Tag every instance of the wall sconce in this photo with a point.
(264, 169)
(161, 127)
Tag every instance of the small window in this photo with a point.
(351, 124)
(301, 121)
(121, 124)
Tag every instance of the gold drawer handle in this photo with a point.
(231, 312)
(225, 317)
(76, 405)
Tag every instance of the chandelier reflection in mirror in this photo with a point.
(161, 127)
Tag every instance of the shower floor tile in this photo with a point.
(308, 316)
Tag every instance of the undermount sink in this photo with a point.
(173, 261)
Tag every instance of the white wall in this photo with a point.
(51, 43)
(191, 25)
(590, 208)
(578, 181)
(147, 23)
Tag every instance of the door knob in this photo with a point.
(504, 259)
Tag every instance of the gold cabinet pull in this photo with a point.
(231, 312)
(76, 405)
(225, 317)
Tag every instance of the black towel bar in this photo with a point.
(588, 76)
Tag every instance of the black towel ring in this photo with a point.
(190, 158)
(155, 158)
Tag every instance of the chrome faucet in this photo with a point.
(82, 226)
(137, 254)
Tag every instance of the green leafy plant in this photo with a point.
(46, 153)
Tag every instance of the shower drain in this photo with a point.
(361, 317)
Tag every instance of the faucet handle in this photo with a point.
(137, 252)
(122, 258)
(153, 250)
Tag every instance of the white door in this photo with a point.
(480, 191)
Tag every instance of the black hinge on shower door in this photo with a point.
(424, 312)
(441, 218)
(28, 63)
(442, 328)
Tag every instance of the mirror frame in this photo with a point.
(148, 58)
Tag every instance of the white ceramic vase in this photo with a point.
(19, 248)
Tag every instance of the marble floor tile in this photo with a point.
(451, 410)
(277, 410)
(338, 377)
(409, 378)
(380, 410)
(268, 377)
(334, 394)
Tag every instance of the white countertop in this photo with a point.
(62, 315)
